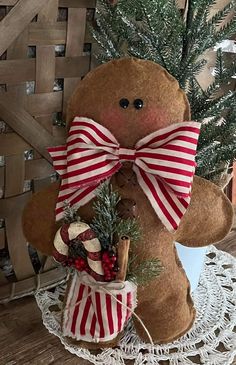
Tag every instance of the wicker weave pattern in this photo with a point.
(44, 52)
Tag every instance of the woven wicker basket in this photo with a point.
(45, 50)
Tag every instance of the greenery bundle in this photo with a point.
(109, 227)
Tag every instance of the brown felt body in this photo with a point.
(165, 304)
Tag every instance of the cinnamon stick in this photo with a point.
(123, 256)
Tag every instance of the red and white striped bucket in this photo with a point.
(95, 314)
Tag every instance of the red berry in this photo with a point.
(105, 255)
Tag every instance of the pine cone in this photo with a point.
(76, 249)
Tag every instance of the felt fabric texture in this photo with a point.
(165, 304)
(98, 95)
(207, 222)
(40, 212)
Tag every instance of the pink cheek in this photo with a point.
(154, 119)
(113, 116)
(145, 120)
(115, 121)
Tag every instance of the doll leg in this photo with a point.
(166, 316)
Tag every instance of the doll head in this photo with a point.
(131, 98)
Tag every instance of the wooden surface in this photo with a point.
(25, 341)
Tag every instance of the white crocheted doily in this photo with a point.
(211, 341)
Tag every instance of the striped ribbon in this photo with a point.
(164, 163)
(96, 311)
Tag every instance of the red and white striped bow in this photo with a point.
(164, 163)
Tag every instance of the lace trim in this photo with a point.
(211, 340)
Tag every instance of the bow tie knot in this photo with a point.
(127, 154)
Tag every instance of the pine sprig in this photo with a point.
(145, 271)
(106, 217)
(107, 224)
(108, 227)
(129, 227)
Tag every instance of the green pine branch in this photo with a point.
(129, 227)
(108, 227)
(106, 217)
(145, 271)
(155, 30)
(106, 223)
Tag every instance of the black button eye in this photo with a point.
(124, 103)
(138, 103)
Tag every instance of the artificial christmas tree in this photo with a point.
(178, 40)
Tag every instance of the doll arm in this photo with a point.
(38, 220)
(208, 218)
